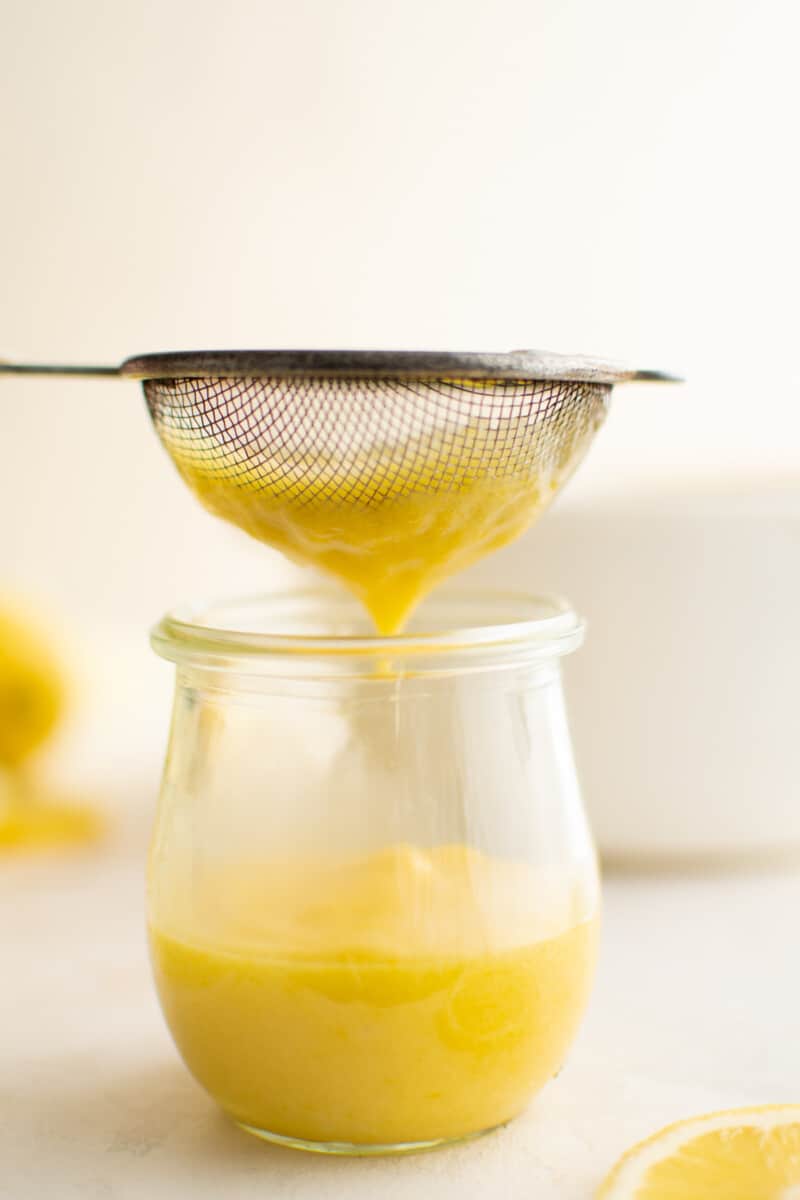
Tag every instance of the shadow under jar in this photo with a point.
(373, 895)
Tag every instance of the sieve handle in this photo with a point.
(14, 368)
(521, 365)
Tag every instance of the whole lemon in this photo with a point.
(32, 689)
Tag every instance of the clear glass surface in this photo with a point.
(372, 890)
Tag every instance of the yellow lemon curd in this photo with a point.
(390, 522)
(389, 554)
(408, 996)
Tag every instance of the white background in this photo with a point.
(615, 178)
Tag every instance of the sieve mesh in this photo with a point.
(389, 469)
(361, 441)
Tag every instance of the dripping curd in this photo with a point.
(392, 554)
(389, 533)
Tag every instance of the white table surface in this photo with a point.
(696, 1007)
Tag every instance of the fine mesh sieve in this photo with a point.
(267, 439)
(364, 441)
(364, 426)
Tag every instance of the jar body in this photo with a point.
(372, 892)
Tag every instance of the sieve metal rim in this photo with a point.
(519, 365)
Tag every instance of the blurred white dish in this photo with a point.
(684, 700)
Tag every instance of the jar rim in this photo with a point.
(206, 633)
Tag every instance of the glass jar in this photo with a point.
(372, 890)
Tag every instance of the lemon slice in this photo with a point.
(744, 1154)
